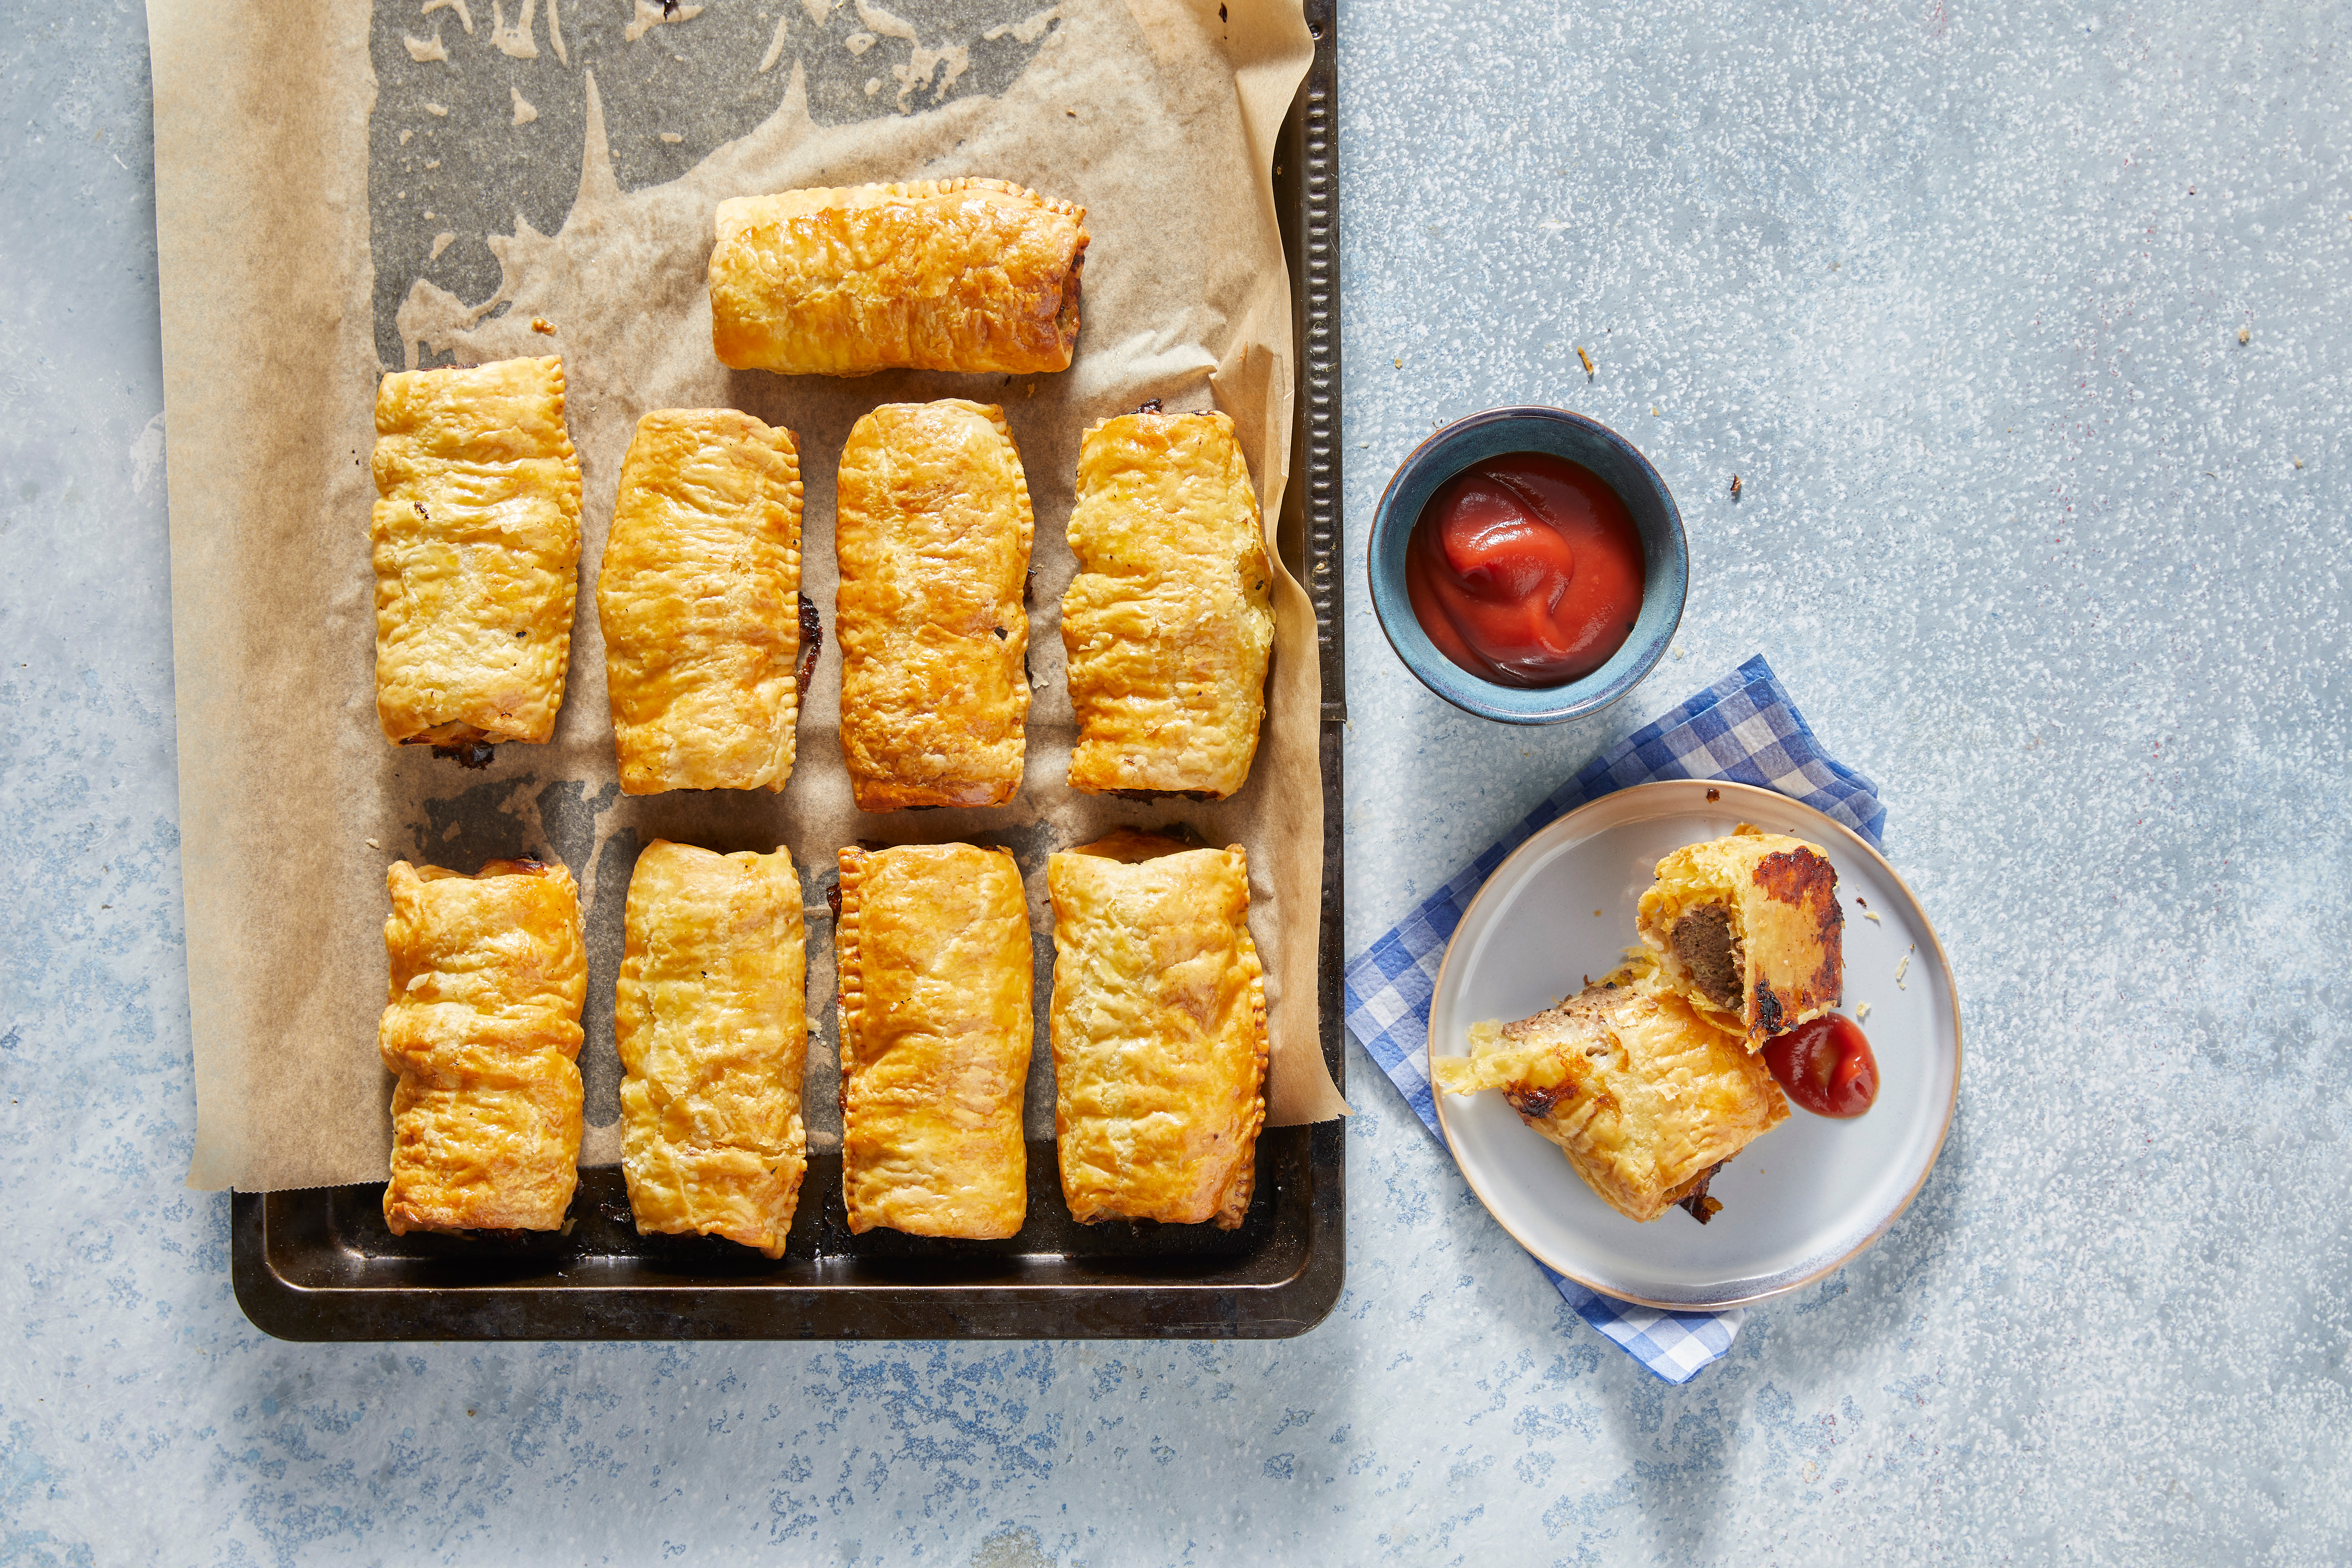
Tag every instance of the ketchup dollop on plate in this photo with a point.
(1826, 1066)
(1525, 570)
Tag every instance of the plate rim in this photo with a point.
(1728, 790)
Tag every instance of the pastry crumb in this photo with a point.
(541, 324)
(1735, 487)
(1586, 358)
(1871, 916)
(2243, 336)
(1862, 1014)
(1899, 970)
(373, 845)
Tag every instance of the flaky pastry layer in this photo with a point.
(932, 530)
(710, 1015)
(1640, 1093)
(1748, 929)
(955, 275)
(476, 538)
(1170, 622)
(936, 980)
(482, 1026)
(700, 602)
(1158, 1031)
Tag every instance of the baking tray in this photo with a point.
(318, 1264)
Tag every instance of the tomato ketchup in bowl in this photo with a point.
(1525, 569)
(1528, 565)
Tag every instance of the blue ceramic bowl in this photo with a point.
(1665, 559)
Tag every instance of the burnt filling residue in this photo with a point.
(1028, 587)
(1149, 405)
(832, 897)
(1536, 1104)
(1149, 795)
(811, 642)
(468, 753)
(1769, 1008)
(1709, 949)
(1697, 1203)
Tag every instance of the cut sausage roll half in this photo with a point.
(936, 978)
(1170, 622)
(1643, 1094)
(475, 537)
(710, 1015)
(932, 531)
(698, 598)
(1158, 1031)
(954, 275)
(482, 1027)
(1747, 928)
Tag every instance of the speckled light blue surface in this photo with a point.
(2021, 527)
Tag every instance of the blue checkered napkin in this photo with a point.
(1743, 728)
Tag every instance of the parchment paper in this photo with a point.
(343, 191)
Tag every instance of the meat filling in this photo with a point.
(1708, 948)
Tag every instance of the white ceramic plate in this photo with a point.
(1797, 1202)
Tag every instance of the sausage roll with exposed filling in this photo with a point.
(932, 527)
(1747, 928)
(1170, 622)
(711, 1019)
(1158, 1031)
(482, 1027)
(936, 977)
(1644, 1094)
(956, 275)
(475, 537)
(698, 598)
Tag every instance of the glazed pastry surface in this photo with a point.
(482, 1026)
(1643, 1094)
(475, 537)
(700, 602)
(1169, 621)
(956, 275)
(936, 978)
(932, 530)
(1158, 1031)
(710, 1015)
(1748, 929)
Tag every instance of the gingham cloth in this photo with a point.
(1744, 728)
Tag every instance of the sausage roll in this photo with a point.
(964, 275)
(477, 543)
(700, 600)
(933, 528)
(711, 1019)
(1641, 1092)
(1748, 929)
(483, 1028)
(1158, 1031)
(933, 946)
(1169, 621)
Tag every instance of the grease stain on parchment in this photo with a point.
(452, 94)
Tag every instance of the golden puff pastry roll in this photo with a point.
(959, 275)
(482, 1026)
(932, 530)
(712, 1018)
(1643, 1094)
(699, 603)
(1158, 1031)
(1748, 929)
(934, 998)
(476, 536)
(1169, 621)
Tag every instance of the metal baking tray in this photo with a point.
(318, 1264)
